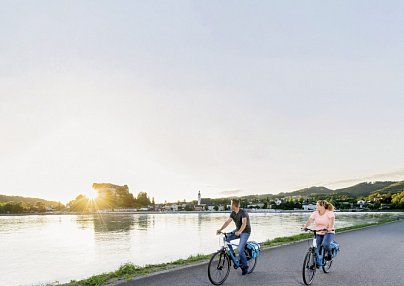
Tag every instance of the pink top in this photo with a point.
(323, 221)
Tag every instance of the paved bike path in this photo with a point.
(370, 256)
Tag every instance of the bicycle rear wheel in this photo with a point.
(251, 264)
(219, 268)
(309, 267)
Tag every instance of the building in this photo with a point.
(361, 204)
(309, 207)
(201, 206)
(107, 189)
(255, 205)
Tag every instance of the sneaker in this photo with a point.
(244, 270)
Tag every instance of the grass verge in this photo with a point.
(128, 271)
(298, 237)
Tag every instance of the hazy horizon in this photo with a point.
(223, 97)
(224, 194)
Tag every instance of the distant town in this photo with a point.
(366, 196)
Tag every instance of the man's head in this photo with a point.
(235, 204)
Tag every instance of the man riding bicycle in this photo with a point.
(243, 231)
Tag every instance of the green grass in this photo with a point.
(128, 271)
(298, 237)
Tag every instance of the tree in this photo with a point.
(40, 207)
(143, 200)
(80, 204)
(397, 200)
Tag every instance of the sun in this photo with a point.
(92, 196)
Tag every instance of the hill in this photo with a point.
(27, 200)
(364, 189)
(359, 190)
(311, 191)
(392, 188)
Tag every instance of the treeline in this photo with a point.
(110, 200)
(374, 201)
(22, 207)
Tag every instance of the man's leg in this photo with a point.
(243, 241)
(231, 236)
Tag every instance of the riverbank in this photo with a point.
(129, 271)
(270, 211)
(368, 256)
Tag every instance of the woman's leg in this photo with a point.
(328, 238)
(319, 241)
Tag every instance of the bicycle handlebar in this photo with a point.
(224, 233)
(315, 230)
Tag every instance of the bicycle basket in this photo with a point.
(253, 248)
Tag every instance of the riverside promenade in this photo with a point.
(370, 256)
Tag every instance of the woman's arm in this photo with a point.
(330, 227)
(309, 222)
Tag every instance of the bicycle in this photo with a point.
(310, 262)
(219, 264)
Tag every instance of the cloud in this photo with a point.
(399, 173)
(231, 193)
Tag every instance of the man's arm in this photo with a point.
(243, 226)
(228, 221)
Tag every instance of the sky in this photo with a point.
(172, 97)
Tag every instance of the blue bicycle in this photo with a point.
(219, 264)
(312, 261)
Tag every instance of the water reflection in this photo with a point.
(113, 223)
(122, 223)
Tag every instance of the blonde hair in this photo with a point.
(326, 205)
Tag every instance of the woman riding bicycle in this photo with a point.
(324, 218)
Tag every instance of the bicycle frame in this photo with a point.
(220, 263)
(228, 248)
(314, 246)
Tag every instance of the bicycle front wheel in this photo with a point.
(309, 267)
(219, 268)
(327, 265)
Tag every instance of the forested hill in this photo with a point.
(359, 190)
(31, 201)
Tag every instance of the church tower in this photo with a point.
(199, 198)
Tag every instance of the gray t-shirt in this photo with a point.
(237, 218)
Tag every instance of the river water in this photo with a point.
(49, 248)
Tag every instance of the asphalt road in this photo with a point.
(371, 256)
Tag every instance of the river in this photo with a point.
(47, 248)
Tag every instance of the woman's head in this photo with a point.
(323, 205)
